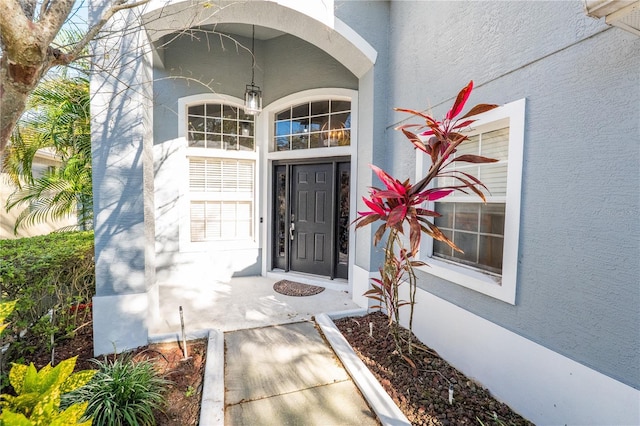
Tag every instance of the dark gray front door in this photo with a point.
(311, 218)
(311, 211)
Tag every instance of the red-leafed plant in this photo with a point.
(401, 203)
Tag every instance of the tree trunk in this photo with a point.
(26, 54)
(15, 88)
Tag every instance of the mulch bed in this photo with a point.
(419, 383)
(182, 395)
(292, 288)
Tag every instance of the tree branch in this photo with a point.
(28, 8)
(95, 29)
(43, 7)
(13, 23)
(54, 17)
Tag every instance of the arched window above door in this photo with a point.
(316, 124)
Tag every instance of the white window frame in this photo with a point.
(184, 227)
(502, 287)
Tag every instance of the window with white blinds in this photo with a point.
(488, 233)
(475, 227)
(222, 192)
(221, 175)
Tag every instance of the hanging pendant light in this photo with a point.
(252, 94)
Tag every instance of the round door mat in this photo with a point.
(292, 288)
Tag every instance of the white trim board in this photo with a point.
(360, 279)
(540, 384)
(386, 410)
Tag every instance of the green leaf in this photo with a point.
(64, 370)
(6, 308)
(44, 410)
(30, 380)
(17, 375)
(47, 378)
(23, 403)
(9, 418)
(71, 416)
(77, 380)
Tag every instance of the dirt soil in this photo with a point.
(183, 394)
(419, 383)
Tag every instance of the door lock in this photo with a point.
(292, 228)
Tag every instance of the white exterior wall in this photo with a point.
(543, 386)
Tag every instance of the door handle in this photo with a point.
(292, 228)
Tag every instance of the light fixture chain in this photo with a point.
(253, 56)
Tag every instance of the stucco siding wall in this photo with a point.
(284, 65)
(577, 290)
(293, 65)
(370, 19)
(120, 128)
(121, 144)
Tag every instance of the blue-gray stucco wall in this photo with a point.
(214, 64)
(578, 289)
(121, 144)
(370, 19)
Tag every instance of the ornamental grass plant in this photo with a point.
(122, 392)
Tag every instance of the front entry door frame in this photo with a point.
(314, 243)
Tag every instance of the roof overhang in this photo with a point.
(623, 14)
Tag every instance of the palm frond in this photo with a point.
(58, 119)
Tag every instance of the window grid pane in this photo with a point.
(316, 124)
(218, 126)
(475, 228)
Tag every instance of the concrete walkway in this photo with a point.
(288, 375)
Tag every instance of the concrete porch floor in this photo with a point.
(241, 303)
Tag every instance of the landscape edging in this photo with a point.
(212, 402)
(379, 400)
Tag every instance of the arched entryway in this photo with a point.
(138, 138)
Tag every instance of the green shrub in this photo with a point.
(123, 392)
(53, 280)
(38, 395)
